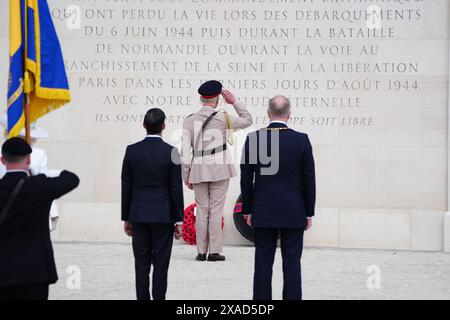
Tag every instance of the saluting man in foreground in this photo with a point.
(27, 265)
(38, 163)
(207, 165)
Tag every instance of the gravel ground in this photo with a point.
(107, 272)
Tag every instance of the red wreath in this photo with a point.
(242, 222)
(189, 232)
(238, 210)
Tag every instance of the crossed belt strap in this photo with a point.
(11, 199)
(202, 153)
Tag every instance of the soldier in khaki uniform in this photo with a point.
(207, 164)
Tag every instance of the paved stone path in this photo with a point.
(107, 273)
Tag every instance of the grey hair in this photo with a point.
(212, 100)
(279, 106)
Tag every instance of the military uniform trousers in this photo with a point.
(210, 199)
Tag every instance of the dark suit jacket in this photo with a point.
(284, 199)
(152, 189)
(26, 253)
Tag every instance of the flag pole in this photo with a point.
(27, 118)
(27, 80)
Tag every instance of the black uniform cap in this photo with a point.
(210, 89)
(16, 147)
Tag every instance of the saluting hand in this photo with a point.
(229, 97)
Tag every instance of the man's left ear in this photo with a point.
(3, 161)
(28, 159)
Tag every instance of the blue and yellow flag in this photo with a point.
(36, 64)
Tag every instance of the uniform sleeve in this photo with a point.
(309, 179)
(244, 120)
(59, 186)
(247, 177)
(186, 154)
(126, 187)
(176, 187)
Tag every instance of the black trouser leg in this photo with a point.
(291, 250)
(37, 292)
(265, 248)
(4, 294)
(142, 249)
(162, 241)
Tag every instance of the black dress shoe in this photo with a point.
(201, 257)
(216, 257)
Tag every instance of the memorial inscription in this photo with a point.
(368, 81)
(330, 58)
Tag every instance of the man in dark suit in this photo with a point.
(152, 203)
(278, 190)
(27, 265)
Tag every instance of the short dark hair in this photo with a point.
(154, 120)
(10, 158)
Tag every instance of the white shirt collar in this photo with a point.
(278, 121)
(154, 136)
(18, 170)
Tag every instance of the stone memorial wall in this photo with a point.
(368, 81)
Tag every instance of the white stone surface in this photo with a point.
(107, 272)
(379, 229)
(325, 230)
(447, 232)
(404, 176)
(427, 231)
(352, 172)
(90, 222)
(379, 186)
(340, 228)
